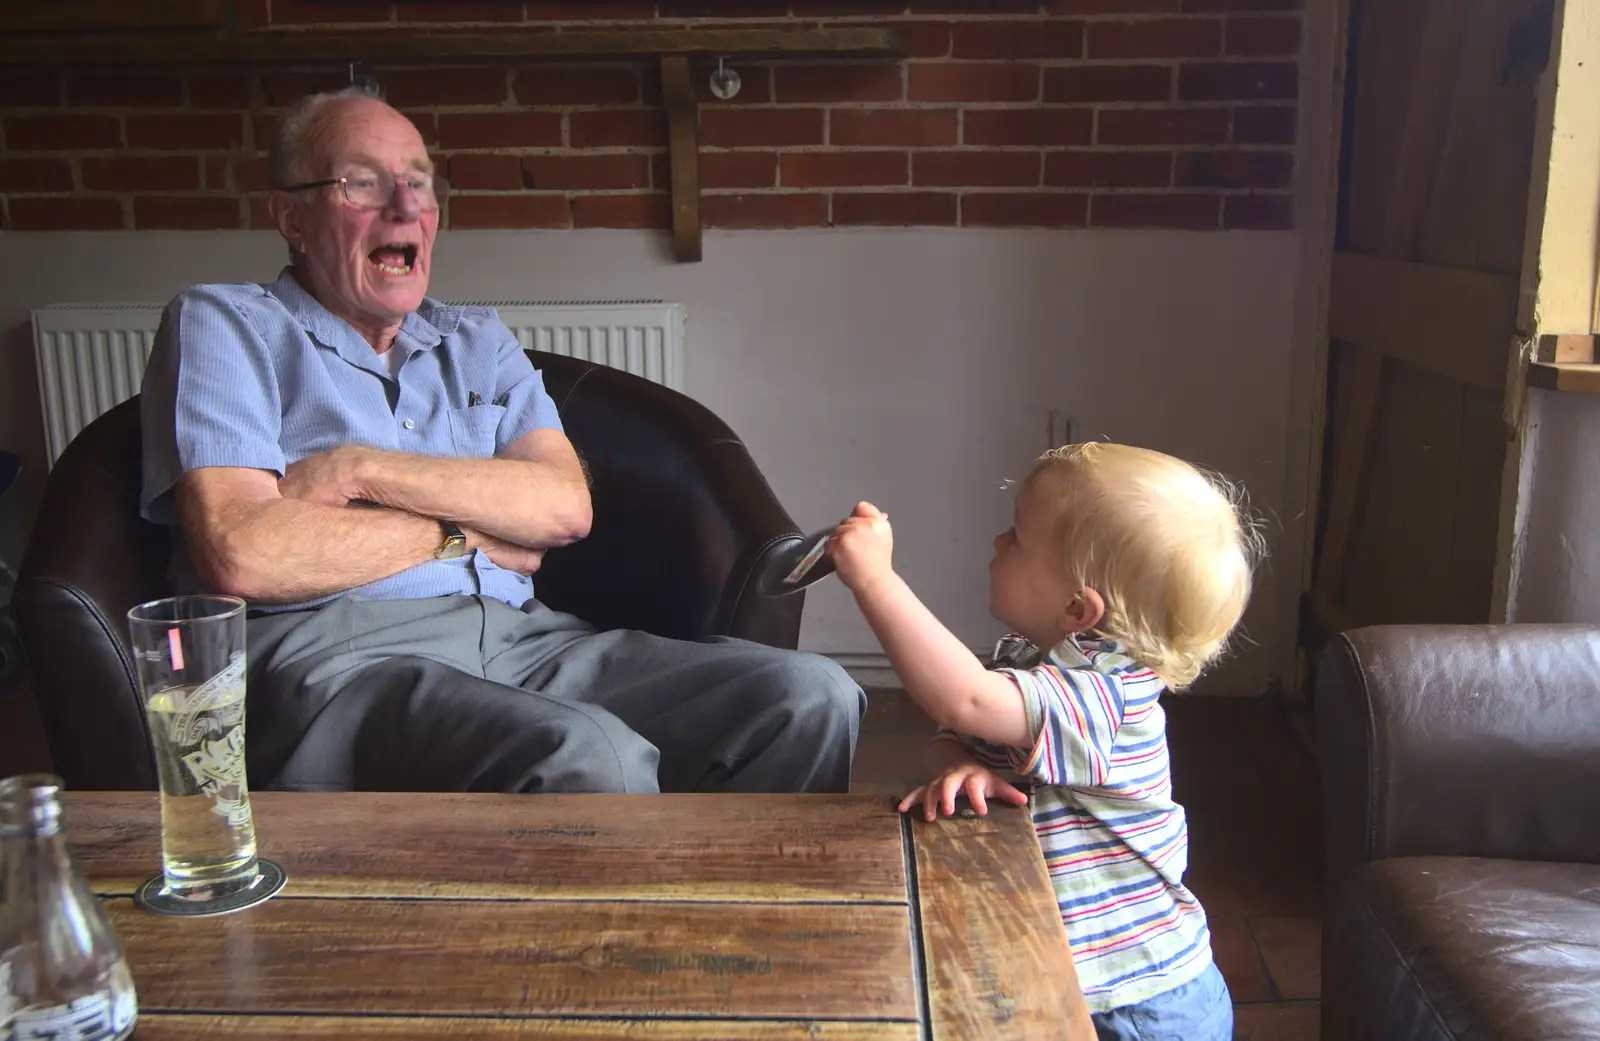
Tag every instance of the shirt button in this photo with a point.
(410, 424)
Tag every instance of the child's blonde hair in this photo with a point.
(1168, 547)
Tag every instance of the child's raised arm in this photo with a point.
(940, 674)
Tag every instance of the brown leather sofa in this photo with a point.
(684, 524)
(1461, 773)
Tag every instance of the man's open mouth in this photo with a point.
(396, 258)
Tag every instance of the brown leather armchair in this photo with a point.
(1461, 774)
(684, 523)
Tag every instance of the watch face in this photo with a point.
(455, 544)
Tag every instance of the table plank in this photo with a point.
(519, 958)
(351, 1028)
(997, 959)
(769, 848)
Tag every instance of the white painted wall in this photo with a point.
(911, 367)
(1558, 537)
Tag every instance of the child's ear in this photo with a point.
(1084, 612)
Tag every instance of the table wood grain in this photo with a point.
(658, 917)
(161, 1027)
(992, 930)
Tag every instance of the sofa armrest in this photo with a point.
(1480, 741)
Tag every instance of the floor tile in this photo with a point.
(1234, 950)
(1254, 807)
(1292, 949)
(1277, 1021)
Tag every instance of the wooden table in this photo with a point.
(669, 917)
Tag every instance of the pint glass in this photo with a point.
(191, 658)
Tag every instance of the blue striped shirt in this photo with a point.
(261, 376)
(1114, 842)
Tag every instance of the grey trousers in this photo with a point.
(464, 693)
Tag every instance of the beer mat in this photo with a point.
(153, 897)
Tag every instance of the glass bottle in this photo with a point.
(63, 976)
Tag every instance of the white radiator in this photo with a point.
(91, 357)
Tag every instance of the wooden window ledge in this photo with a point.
(1571, 377)
(1569, 363)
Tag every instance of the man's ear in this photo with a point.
(286, 215)
(1084, 612)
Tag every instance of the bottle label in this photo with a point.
(91, 1018)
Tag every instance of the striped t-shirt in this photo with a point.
(1114, 841)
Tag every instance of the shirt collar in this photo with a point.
(1014, 650)
(416, 332)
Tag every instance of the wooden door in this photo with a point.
(1423, 379)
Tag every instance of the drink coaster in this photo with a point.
(153, 895)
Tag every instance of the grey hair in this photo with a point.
(289, 153)
(287, 156)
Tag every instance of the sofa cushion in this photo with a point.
(1463, 948)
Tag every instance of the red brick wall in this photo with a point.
(1079, 113)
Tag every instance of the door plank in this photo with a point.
(772, 848)
(352, 1028)
(1399, 553)
(1426, 100)
(1385, 38)
(1352, 451)
(1488, 137)
(1460, 324)
(527, 958)
(998, 962)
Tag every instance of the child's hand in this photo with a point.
(977, 782)
(863, 547)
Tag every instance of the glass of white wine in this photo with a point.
(190, 652)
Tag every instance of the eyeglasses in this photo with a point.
(374, 189)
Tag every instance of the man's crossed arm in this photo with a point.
(284, 541)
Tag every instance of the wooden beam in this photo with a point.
(102, 15)
(1457, 323)
(1354, 449)
(1562, 349)
(683, 142)
(404, 43)
(1574, 379)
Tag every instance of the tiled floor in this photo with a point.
(1238, 768)
(1250, 790)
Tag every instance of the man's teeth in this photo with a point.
(390, 269)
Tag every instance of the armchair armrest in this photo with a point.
(1479, 741)
(684, 519)
(89, 559)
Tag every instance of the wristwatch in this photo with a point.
(454, 544)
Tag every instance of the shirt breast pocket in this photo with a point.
(472, 430)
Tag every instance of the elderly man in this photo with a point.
(378, 475)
